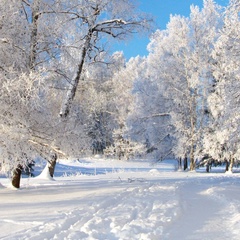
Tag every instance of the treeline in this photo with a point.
(187, 89)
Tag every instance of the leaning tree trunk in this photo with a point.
(51, 164)
(65, 108)
(16, 176)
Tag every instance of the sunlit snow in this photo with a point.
(110, 200)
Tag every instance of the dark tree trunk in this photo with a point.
(192, 161)
(52, 164)
(227, 166)
(208, 168)
(16, 176)
(185, 163)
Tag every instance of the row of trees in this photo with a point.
(188, 87)
(49, 51)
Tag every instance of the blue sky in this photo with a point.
(161, 10)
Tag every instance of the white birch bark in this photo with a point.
(65, 108)
(34, 32)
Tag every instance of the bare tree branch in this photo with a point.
(26, 2)
(156, 115)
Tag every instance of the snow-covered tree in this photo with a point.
(19, 87)
(179, 66)
(97, 21)
(97, 99)
(147, 120)
(221, 142)
(29, 93)
(124, 145)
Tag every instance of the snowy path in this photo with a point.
(124, 206)
(138, 211)
(202, 217)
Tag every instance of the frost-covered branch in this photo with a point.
(94, 25)
(48, 146)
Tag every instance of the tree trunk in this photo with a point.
(180, 163)
(65, 108)
(34, 33)
(16, 176)
(208, 168)
(185, 163)
(193, 126)
(231, 163)
(192, 160)
(52, 164)
(227, 166)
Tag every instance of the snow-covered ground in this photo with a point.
(113, 200)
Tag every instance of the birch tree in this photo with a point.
(98, 21)
(181, 56)
(221, 142)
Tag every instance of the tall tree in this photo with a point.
(29, 47)
(98, 100)
(221, 142)
(97, 21)
(180, 58)
(123, 146)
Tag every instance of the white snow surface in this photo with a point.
(113, 200)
